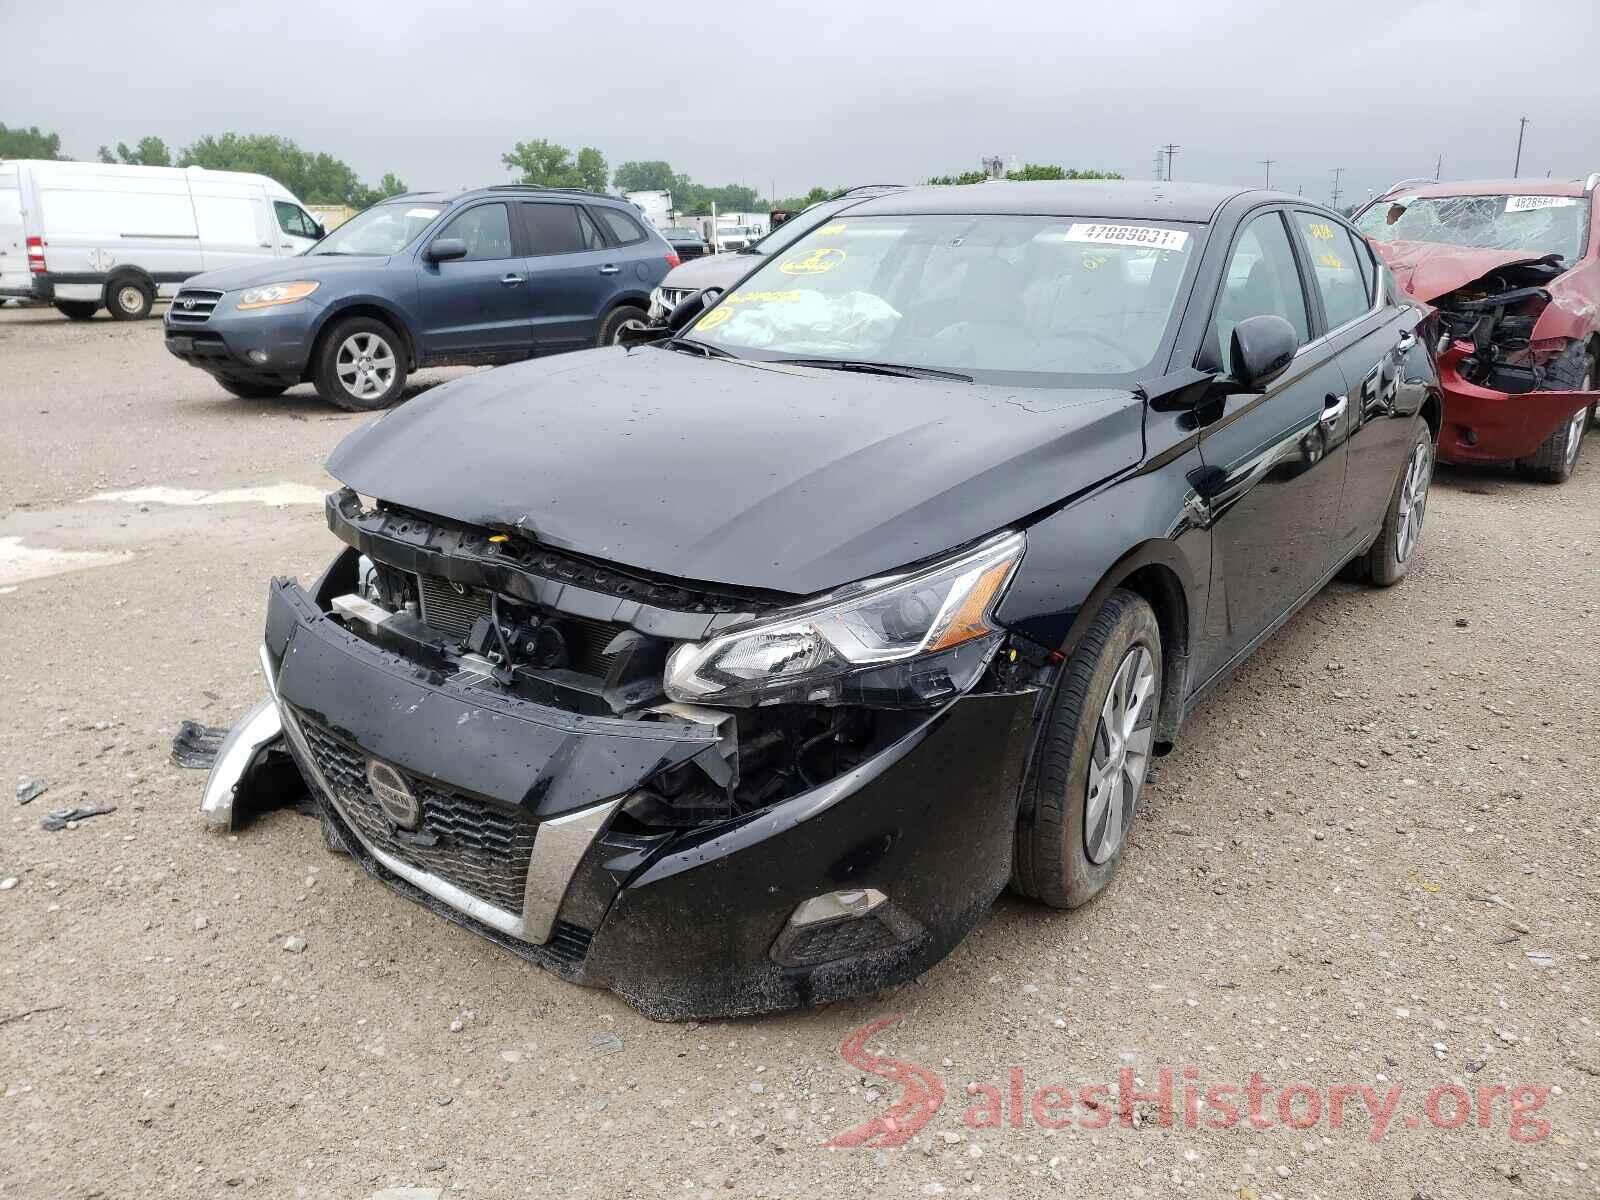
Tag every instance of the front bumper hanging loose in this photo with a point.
(867, 879)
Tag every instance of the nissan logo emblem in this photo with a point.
(394, 794)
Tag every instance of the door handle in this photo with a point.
(610, 269)
(511, 280)
(265, 245)
(1405, 342)
(1333, 408)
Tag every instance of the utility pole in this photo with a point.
(1170, 149)
(1438, 166)
(1158, 165)
(1334, 204)
(1521, 129)
(1267, 163)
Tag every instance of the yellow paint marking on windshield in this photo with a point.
(788, 297)
(836, 227)
(716, 317)
(1321, 232)
(1331, 261)
(819, 262)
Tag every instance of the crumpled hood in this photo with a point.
(747, 475)
(1428, 270)
(712, 270)
(283, 270)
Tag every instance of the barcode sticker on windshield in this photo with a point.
(1129, 235)
(422, 212)
(1534, 203)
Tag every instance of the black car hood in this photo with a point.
(283, 270)
(750, 475)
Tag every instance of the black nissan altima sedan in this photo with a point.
(745, 667)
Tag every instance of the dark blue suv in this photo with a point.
(423, 280)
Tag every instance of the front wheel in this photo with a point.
(361, 365)
(1093, 757)
(620, 319)
(77, 310)
(1555, 459)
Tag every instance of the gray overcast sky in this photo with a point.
(891, 91)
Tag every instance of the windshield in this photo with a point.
(1538, 224)
(1004, 299)
(383, 229)
(792, 230)
(683, 234)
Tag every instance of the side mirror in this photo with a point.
(690, 307)
(322, 231)
(1263, 347)
(445, 249)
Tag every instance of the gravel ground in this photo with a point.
(1371, 862)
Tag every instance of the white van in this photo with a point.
(87, 235)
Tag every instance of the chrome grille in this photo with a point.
(193, 306)
(672, 297)
(483, 851)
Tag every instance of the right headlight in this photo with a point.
(911, 639)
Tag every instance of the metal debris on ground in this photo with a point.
(603, 1044)
(196, 745)
(62, 818)
(31, 790)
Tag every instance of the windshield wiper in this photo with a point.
(875, 368)
(705, 349)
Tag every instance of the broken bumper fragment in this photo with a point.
(1483, 425)
(531, 825)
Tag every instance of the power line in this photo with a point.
(1521, 129)
(1169, 150)
(1334, 204)
(1267, 163)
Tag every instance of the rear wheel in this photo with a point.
(78, 310)
(128, 299)
(1095, 752)
(618, 319)
(251, 389)
(1553, 461)
(1389, 558)
(361, 365)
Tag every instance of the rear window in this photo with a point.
(625, 229)
(559, 229)
(1335, 264)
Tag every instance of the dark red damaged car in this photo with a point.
(1512, 267)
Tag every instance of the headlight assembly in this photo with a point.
(273, 294)
(915, 638)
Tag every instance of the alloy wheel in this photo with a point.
(1413, 502)
(1580, 419)
(630, 323)
(365, 365)
(1121, 754)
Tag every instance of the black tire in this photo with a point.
(78, 310)
(1053, 861)
(625, 316)
(1386, 561)
(1553, 461)
(344, 348)
(251, 389)
(129, 298)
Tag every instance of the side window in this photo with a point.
(555, 228)
(623, 227)
(293, 220)
(589, 232)
(1261, 279)
(1335, 263)
(486, 231)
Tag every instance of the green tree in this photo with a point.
(316, 178)
(541, 162)
(29, 143)
(815, 196)
(653, 176)
(1028, 171)
(150, 152)
(591, 170)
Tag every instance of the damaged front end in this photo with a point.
(688, 795)
(1513, 347)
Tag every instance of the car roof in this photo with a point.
(1492, 187)
(531, 190)
(1130, 200)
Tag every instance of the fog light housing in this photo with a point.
(257, 356)
(839, 925)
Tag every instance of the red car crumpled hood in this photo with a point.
(1428, 270)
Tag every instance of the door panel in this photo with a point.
(1274, 461)
(572, 275)
(475, 309)
(234, 223)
